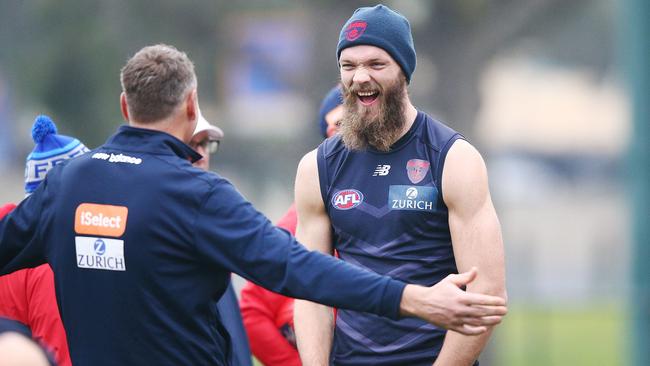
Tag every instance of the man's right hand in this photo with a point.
(446, 305)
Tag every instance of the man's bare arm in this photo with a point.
(313, 322)
(476, 240)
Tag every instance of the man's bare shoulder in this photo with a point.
(464, 174)
(464, 151)
(307, 187)
(308, 164)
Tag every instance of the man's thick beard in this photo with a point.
(359, 131)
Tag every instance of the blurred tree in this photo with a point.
(67, 55)
(464, 35)
(461, 37)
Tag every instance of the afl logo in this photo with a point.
(411, 193)
(347, 199)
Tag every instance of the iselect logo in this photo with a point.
(100, 253)
(102, 220)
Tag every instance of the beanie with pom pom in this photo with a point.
(50, 150)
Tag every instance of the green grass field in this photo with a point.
(589, 335)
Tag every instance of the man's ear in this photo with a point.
(124, 107)
(191, 106)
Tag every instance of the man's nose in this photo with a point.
(361, 76)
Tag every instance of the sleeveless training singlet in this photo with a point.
(388, 216)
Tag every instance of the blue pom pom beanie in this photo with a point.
(50, 150)
(381, 27)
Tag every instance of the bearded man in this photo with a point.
(397, 193)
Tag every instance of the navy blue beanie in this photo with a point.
(333, 99)
(381, 27)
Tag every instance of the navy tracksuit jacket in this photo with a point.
(142, 244)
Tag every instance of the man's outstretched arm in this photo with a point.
(449, 307)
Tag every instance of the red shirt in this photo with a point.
(268, 317)
(28, 297)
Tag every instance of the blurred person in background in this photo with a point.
(28, 295)
(205, 141)
(396, 193)
(17, 348)
(155, 240)
(268, 316)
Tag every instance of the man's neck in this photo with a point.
(410, 114)
(166, 125)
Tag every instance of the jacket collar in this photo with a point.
(151, 141)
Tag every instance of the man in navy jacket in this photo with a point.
(142, 244)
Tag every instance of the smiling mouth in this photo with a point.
(367, 97)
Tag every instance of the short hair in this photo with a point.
(155, 81)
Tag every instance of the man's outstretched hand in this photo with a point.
(447, 306)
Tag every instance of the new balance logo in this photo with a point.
(381, 170)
